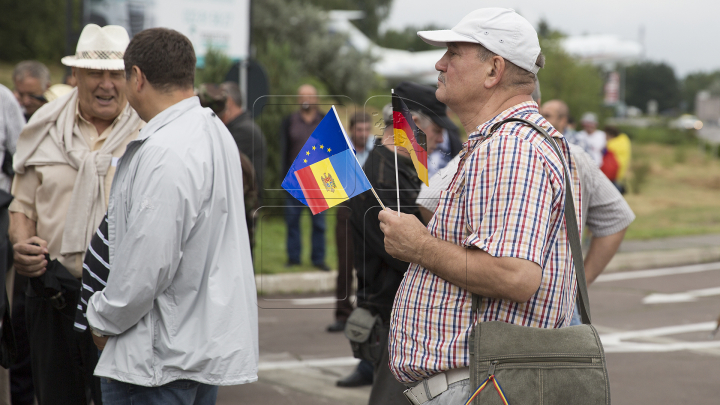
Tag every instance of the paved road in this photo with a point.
(654, 324)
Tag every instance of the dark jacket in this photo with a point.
(379, 274)
(285, 159)
(251, 142)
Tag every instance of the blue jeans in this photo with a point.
(576, 320)
(179, 392)
(293, 210)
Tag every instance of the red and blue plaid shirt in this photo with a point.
(508, 200)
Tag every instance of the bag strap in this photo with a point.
(570, 223)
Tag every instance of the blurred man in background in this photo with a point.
(379, 274)
(31, 79)
(594, 137)
(294, 132)
(248, 136)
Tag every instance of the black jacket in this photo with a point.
(379, 274)
(250, 141)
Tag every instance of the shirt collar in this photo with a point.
(167, 115)
(524, 108)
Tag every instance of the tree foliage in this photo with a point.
(406, 39)
(579, 85)
(651, 81)
(217, 65)
(32, 29)
(376, 11)
(695, 82)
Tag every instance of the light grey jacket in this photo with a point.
(180, 301)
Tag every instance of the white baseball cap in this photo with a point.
(100, 48)
(500, 30)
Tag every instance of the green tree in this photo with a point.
(376, 11)
(695, 82)
(32, 29)
(563, 77)
(651, 81)
(406, 39)
(217, 65)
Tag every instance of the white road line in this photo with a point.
(667, 271)
(317, 301)
(291, 364)
(631, 347)
(687, 296)
(618, 337)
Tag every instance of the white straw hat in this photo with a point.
(500, 30)
(100, 48)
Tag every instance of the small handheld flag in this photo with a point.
(326, 172)
(410, 137)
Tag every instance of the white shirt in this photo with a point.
(180, 301)
(595, 144)
(11, 124)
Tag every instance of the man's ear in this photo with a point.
(496, 70)
(140, 79)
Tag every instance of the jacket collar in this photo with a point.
(168, 115)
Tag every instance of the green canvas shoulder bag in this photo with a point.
(519, 365)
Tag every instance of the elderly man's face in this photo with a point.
(589, 126)
(307, 97)
(461, 75)
(554, 115)
(101, 93)
(28, 90)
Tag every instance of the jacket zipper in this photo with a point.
(494, 363)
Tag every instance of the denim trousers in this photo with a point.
(179, 392)
(293, 210)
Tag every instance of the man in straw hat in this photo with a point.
(65, 162)
(498, 230)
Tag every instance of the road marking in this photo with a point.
(617, 337)
(631, 347)
(667, 271)
(688, 296)
(317, 301)
(291, 364)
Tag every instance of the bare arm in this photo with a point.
(601, 252)
(29, 260)
(473, 269)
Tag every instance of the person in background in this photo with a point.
(559, 114)
(246, 133)
(359, 133)
(31, 79)
(178, 316)
(380, 274)
(619, 144)
(295, 130)
(595, 138)
(11, 123)
(65, 158)
(427, 104)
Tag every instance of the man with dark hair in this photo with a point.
(248, 136)
(31, 79)
(295, 130)
(178, 316)
(64, 165)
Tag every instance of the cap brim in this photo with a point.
(442, 37)
(443, 122)
(99, 64)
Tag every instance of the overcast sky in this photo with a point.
(684, 34)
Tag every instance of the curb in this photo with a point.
(324, 282)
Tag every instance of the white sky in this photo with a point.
(683, 33)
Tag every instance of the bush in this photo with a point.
(667, 136)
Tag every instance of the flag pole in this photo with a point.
(397, 182)
(378, 198)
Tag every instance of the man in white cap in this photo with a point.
(64, 166)
(498, 230)
(595, 139)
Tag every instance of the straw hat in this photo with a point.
(100, 48)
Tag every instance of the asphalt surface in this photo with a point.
(655, 327)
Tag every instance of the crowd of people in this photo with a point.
(132, 275)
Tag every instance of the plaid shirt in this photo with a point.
(508, 200)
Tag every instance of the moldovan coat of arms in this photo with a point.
(329, 182)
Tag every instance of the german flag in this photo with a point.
(410, 137)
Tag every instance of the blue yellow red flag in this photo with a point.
(326, 172)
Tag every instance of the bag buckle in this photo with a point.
(58, 301)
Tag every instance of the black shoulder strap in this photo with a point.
(570, 222)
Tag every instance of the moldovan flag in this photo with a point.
(326, 172)
(410, 137)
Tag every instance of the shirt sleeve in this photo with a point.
(24, 188)
(161, 208)
(429, 197)
(608, 212)
(14, 122)
(508, 198)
